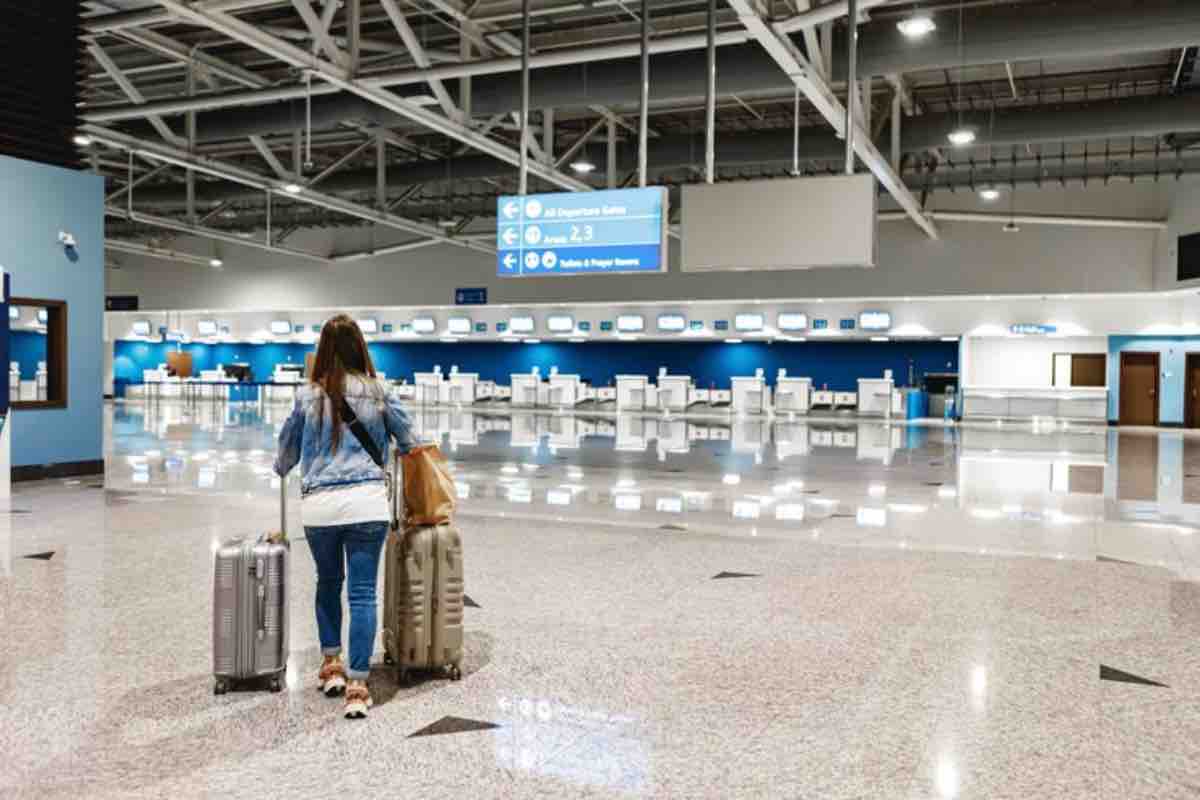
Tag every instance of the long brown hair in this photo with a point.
(341, 351)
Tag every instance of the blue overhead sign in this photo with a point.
(582, 233)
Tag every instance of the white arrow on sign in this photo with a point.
(509, 236)
(510, 261)
(511, 209)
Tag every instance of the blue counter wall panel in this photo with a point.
(838, 364)
(40, 201)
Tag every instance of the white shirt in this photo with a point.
(346, 505)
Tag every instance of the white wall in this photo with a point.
(1024, 362)
(970, 258)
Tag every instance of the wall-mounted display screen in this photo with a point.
(585, 326)
(581, 233)
(501, 327)
(1187, 262)
(606, 325)
(631, 323)
(560, 323)
(459, 326)
(368, 325)
(406, 327)
(207, 327)
(696, 324)
(481, 327)
(298, 329)
(140, 328)
(820, 324)
(875, 320)
(846, 324)
(721, 325)
(388, 327)
(281, 327)
(748, 322)
(521, 324)
(424, 325)
(671, 322)
(792, 321)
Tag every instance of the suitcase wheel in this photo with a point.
(387, 659)
(220, 687)
(455, 672)
(276, 685)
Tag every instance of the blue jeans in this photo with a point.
(360, 545)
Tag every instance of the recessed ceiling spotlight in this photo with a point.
(917, 26)
(82, 140)
(989, 194)
(961, 137)
(228, 213)
(447, 223)
(1012, 227)
(293, 188)
(583, 166)
(216, 263)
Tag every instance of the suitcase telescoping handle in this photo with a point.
(394, 492)
(283, 506)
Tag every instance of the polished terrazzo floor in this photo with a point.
(663, 608)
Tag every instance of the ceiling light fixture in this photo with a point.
(1011, 227)
(917, 26)
(961, 137)
(583, 166)
(82, 140)
(989, 194)
(216, 263)
(293, 188)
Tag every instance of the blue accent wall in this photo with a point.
(838, 364)
(1172, 352)
(39, 201)
(27, 348)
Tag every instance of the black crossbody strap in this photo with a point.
(360, 432)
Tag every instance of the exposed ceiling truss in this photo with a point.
(267, 116)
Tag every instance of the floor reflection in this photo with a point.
(1051, 491)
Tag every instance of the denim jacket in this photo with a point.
(307, 440)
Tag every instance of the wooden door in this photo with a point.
(1139, 389)
(1191, 398)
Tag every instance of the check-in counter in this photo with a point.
(1085, 404)
(674, 392)
(634, 393)
(845, 400)
(568, 391)
(459, 388)
(877, 396)
(750, 395)
(528, 390)
(429, 387)
(720, 398)
(822, 398)
(792, 395)
(485, 391)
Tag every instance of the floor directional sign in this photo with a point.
(582, 233)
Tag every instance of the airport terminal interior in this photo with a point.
(817, 384)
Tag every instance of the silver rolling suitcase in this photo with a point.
(250, 608)
(423, 596)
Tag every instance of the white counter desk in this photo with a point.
(792, 395)
(750, 395)
(1089, 404)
